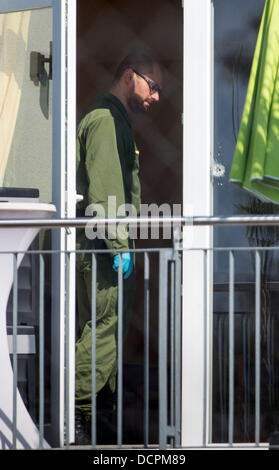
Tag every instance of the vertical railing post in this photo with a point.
(41, 349)
(206, 349)
(231, 347)
(164, 257)
(146, 351)
(93, 353)
(257, 346)
(177, 355)
(120, 355)
(15, 358)
(67, 351)
(169, 405)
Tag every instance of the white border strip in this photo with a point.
(58, 237)
(71, 193)
(197, 194)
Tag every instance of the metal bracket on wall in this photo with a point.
(37, 65)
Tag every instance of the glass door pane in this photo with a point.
(158, 135)
(236, 26)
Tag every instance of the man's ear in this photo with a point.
(128, 75)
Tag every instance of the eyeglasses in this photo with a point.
(154, 87)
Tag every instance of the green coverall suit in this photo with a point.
(107, 165)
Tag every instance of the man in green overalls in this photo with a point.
(107, 167)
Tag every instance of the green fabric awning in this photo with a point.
(255, 165)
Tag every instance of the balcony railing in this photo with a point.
(168, 370)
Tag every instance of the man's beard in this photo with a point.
(136, 105)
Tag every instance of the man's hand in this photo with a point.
(127, 264)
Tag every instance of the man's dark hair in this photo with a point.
(140, 61)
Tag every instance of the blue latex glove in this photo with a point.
(127, 264)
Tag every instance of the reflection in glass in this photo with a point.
(14, 34)
(236, 28)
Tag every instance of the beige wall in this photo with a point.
(29, 163)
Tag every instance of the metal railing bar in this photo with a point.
(101, 222)
(15, 358)
(220, 374)
(163, 399)
(253, 220)
(231, 347)
(249, 337)
(257, 345)
(177, 349)
(269, 357)
(205, 341)
(83, 222)
(41, 350)
(120, 355)
(240, 446)
(226, 371)
(67, 350)
(172, 339)
(93, 352)
(245, 373)
(234, 248)
(146, 350)
(143, 250)
(235, 220)
(272, 353)
(105, 251)
(240, 248)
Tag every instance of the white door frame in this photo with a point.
(71, 199)
(64, 197)
(197, 200)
